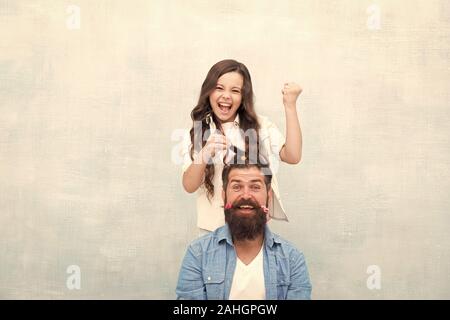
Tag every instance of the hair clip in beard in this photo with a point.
(228, 206)
(265, 209)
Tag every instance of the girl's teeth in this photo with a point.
(224, 109)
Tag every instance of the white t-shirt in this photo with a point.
(210, 215)
(248, 280)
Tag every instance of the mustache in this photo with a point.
(242, 202)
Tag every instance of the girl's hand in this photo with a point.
(290, 92)
(214, 144)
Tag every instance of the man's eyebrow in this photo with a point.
(251, 181)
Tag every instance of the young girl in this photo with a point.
(222, 118)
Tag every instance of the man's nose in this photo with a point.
(246, 193)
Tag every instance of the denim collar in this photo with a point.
(223, 233)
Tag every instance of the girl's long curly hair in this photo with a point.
(201, 112)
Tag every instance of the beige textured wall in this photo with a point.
(87, 116)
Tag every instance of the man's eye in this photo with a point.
(256, 187)
(235, 187)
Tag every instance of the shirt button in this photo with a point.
(209, 278)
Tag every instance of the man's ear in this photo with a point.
(269, 197)
(269, 193)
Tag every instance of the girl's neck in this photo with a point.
(221, 124)
(228, 121)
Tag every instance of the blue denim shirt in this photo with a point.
(208, 268)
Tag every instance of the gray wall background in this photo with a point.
(87, 116)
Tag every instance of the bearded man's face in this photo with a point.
(245, 201)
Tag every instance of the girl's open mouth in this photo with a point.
(224, 108)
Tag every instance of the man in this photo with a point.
(244, 259)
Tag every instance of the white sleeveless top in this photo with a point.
(210, 215)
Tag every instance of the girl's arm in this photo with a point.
(194, 175)
(292, 150)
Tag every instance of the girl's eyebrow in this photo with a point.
(219, 84)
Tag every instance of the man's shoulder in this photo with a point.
(286, 247)
(207, 242)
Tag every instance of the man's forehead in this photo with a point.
(246, 175)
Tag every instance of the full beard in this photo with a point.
(245, 226)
